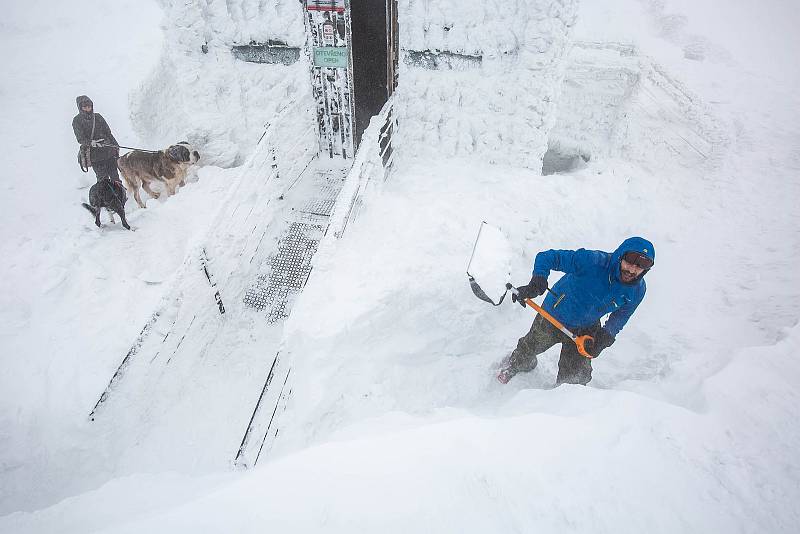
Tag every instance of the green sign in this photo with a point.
(330, 56)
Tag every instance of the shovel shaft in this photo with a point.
(580, 341)
(475, 246)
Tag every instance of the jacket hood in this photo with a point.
(81, 100)
(635, 244)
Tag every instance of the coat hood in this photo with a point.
(635, 244)
(81, 100)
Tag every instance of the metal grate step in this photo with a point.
(289, 269)
(323, 204)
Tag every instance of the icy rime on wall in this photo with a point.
(501, 109)
(215, 101)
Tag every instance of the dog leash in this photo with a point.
(85, 160)
(131, 148)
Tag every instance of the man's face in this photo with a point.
(628, 272)
(86, 106)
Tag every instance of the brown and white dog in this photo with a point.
(168, 166)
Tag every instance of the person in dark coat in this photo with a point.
(94, 136)
(596, 283)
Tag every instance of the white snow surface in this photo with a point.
(395, 422)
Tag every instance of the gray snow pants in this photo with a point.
(572, 367)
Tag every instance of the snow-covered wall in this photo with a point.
(201, 93)
(598, 83)
(500, 109)
(614, 102)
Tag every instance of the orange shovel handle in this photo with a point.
(580, 341)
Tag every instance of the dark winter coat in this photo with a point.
(592, 286)
(82, 126)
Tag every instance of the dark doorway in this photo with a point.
(372, 29)
(559, 161)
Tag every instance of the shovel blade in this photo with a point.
(481, 294)
(490, 264)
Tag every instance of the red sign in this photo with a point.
(322, 5)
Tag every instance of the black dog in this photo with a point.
(110, 195)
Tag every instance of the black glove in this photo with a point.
(602, 340)
(534, 288)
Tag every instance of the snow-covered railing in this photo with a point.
(615, 101)
(288, 143)
(286, 148)
(372, 166)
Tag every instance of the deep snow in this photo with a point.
(395, 422)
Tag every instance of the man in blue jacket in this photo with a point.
(596, 283)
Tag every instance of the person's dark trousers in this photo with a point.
(106, 169)
(572, 367)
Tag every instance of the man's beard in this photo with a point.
(627, 276)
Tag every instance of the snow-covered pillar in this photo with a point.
(481, 76)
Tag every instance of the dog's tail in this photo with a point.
(92, 210)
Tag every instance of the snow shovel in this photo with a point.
(492, 263)
(488, 262)
(580, 341)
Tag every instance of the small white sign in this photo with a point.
(327, 33)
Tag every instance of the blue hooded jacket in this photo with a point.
(592, 287)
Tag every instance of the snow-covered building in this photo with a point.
(473, 77)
